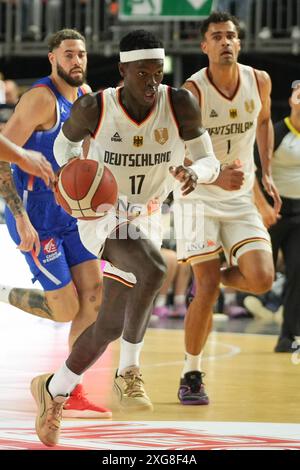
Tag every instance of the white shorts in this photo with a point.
(234, 227)
(93, 233)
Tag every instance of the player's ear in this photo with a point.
(51, 57)
(203, 46)
(121, 69)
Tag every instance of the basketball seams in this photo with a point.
(93, 187)
(101, 184)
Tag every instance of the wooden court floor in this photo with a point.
(254, 393)
(245, 379)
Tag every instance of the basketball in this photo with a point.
(86, 189)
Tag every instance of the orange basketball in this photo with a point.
(86, 189)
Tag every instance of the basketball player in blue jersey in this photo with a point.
(161, 120)
(69, 274)
(32, 162)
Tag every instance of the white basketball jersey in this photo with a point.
(231, 124)
(139, 154)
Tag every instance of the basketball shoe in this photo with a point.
(162, 312)
(260, 311)
(47, 423)
(130, 392)
(78, 406)
(287, 345)
(191, 389)
(179, 311)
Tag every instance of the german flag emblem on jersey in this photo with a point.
(161, 135)
(138, 140)
(233, 113)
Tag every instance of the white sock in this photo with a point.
(161, 300)
(191, 363)
(129, 355)
(63, 382)
(179, 299)
(4, 293)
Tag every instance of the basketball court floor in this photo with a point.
(254, 393)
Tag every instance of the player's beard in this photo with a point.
(70, 80)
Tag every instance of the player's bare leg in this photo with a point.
(79, 302)
(198, 323)
(254, 273)
(143, 259)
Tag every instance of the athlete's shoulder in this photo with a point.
(86, 101)
(181, 96)
(85, 111)
(185, 105)
(41, 97)
(262, 77)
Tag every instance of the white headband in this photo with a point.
(142, 54)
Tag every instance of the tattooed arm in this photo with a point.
(28, 160)
(28, 235)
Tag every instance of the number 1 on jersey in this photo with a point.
(136, 183)
(228, 146)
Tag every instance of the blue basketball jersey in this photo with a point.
(43, 141)
(30, 187)
(61, 247)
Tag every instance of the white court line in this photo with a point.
(233, 351)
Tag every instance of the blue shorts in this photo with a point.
(61, 247)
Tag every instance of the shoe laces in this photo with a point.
(195, 382)
(80, 396)
(134, 384)
(54, 415)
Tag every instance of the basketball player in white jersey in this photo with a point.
(141, 128)
(235, 105)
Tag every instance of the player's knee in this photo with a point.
(261, 282)
(90, 296)
(155, 270)
(207, 287)
(66, 311)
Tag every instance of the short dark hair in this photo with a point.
(57, 38)
(219, 17)
(139, 39)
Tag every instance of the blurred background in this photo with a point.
(270, 33)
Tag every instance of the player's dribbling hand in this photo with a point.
(27, 233)
(186, 176)
(231, 177)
